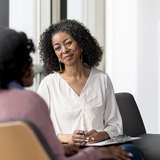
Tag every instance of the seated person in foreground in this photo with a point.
(19, 104)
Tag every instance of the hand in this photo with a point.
(116, 152)
(78, 137)
(70, 149)
(94, 136)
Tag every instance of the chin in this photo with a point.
(71, 63)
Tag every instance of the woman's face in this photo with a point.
(66, 48)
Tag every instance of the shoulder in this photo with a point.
(50, 78)
(27, 96)
(101, 77)
(50, 81)
(99, 73)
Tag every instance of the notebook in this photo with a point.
(115, 140)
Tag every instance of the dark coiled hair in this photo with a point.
(91, 54)
(15, 60)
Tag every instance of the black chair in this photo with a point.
(133, 126)
(132, 122)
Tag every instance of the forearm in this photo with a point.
(113, 131)
(65, 138)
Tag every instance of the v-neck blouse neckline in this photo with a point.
(83, 89)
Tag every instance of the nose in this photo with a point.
(64, 49)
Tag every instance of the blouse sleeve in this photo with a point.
(112, 117)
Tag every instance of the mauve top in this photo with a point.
(20, 104)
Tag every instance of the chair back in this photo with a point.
(19, 142)
(132, 121)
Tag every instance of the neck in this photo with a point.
(76, 71)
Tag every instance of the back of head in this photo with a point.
(15, 50)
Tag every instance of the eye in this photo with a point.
(68, 43)
(57, 48)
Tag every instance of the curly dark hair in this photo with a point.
(91, 54)
(15, 59)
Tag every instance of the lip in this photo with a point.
(68, 57)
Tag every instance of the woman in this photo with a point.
(17, 104)
(80, 97)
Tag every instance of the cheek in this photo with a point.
(78, 52)
(28, 78)
(58, 55)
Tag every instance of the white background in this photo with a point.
(21, 16)
(133, 54)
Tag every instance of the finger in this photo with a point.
(121, 154)
(122, 157)
(81, 132)
(78, 140)
(78, 136)
(125, 155)
(89, 133)
(117, 153)
(90, 140)
(93, 138)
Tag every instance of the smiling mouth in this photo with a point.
(68, 57)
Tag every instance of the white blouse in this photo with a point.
(95, 108)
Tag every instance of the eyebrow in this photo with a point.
(63, 41)
(66, 39)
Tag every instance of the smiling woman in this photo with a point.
(80, 97)
(70, 51)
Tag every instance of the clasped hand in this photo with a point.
(80, 137)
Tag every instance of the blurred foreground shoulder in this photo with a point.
(29, 96)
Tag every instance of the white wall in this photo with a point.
(21, 16)
(74, 9)
(133, 54)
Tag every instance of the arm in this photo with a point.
(46, 91)
(112, 117)
(65, 138)
(77, 138)
(43, 91)
(94, 136)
